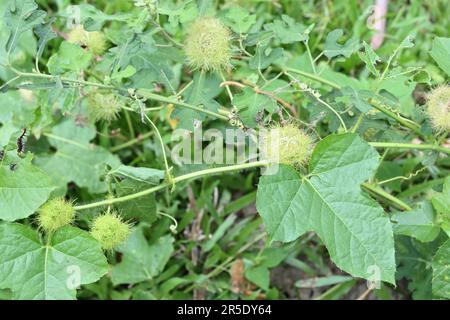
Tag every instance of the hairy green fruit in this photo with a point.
(95, 41)
(207, 45)
(438, 108)
(55, 214)
(103, 106)
(110, 230)
(287, 145)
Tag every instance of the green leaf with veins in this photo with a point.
(418, 224)
(22, 190)
(354, 228)
(70, 57)
(288, 30)
(249, 103)
(45, 33)
(33, 270)
(440, 51)
(201, 93)
(76, 159)
(441, 203)
(143, 208)
(370, 58)
(265, 56)
(441, 271)
(334, 49)
(239, 19)
(146, 175)
(21, 16)
(141, 261)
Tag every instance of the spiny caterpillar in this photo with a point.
(207, 45)
(21, 142)
(95, 41)
(286, 144)
(2, 154)
(55, 214)
(110, 230)
(438, 108)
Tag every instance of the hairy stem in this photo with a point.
(396, 145)
(193, 175)
(380, 193)
(152, 96)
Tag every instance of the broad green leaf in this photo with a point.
(250, 103)
(22, 190)
(264, 57)
(370, 58)
(142, 208)
(440, 51)
(441, 203)
(69, 57)
(354, 228)
(239, 19)
(21, 16)
(259, 276)
(334, 49)
(202, 93)
(288, 30)
(76, 159)
(441, 271)
(34, 270)
(141, 261)
(418, 224)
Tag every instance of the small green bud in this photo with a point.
(55, 214)
(110, 230)
(287, 145)
(438, 108)
(103, 106)
(207, 45)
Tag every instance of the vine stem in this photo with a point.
(156, 97)
(132, 142)
(397, 145)
(312, 77)
(143, 92)
(161, 142)
(377, 191)
(193, 175)
(403, 121)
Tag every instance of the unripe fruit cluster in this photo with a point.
(110, 230)
(286, 144)
(207, 45)
(103, 106)
(55, 214)
(438, 108)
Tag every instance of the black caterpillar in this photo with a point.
(21, 142)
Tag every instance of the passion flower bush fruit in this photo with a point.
(103, 106)
(207, 45)
(110, 230)
(438, 108)
(286, 144)
(55, 214)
